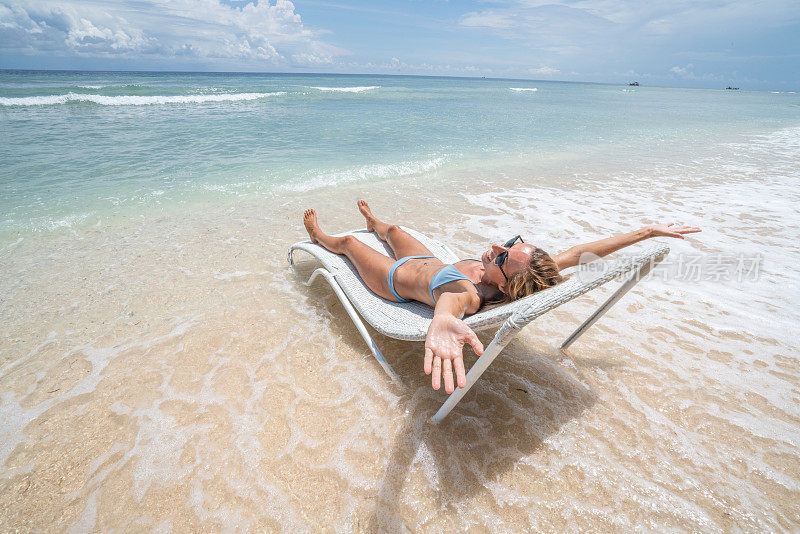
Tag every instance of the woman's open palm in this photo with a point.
(671, 230)
(443, 350)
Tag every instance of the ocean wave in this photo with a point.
(99, 86)
(347, 89)
(519, 89)
(365, 172)
(131, 100)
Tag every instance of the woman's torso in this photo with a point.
(412, 279)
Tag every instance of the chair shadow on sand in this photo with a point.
(524, 398)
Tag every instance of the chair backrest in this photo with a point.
(584, 279)
(588, 277)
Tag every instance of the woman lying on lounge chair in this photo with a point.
(504, 272)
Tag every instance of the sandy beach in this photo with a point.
(166, 370)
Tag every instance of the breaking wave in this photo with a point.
(347, 89)
(131, 100)
(315, 180)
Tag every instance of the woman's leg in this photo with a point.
(403, 244)
(372, 266)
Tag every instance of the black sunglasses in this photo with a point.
(503, 256)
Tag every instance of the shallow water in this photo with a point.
(161, 367)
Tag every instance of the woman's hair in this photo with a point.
(540, 273)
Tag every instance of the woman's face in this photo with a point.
(519, 255)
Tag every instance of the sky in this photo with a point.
(752, 44)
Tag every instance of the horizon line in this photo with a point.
(3, 69)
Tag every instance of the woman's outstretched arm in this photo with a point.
(446, 336)
(603, 247)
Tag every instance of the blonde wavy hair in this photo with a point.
(540, 273)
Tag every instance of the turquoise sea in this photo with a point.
(78, 145)
(163, 369)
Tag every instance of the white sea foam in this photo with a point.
(521, 89)
(366, 172)
(92, 86)
(15, 243)
(347, 89)
(235, 274)
(131, 100)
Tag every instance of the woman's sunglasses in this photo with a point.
(503, 256)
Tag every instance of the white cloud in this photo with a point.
(601, 37)
(572, 28)
(255, 33)
(544, 71)
(551, 24)
(687, 73)
(490, 19)
(86, 36)
(395, 65)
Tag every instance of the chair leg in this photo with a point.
(501, 339)
(613, 299)
(373, 347)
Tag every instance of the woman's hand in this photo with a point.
(446, 336)
(670, 230)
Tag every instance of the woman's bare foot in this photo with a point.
(312, 227)
(363, 207)
(332, 243)
(373, 224)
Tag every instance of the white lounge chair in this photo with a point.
(409, 320)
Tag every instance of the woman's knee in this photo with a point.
(347, 243)
(394, 230)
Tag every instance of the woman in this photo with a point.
(504, 272)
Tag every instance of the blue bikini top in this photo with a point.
(445, 275)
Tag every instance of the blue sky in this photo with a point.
(751, 44)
